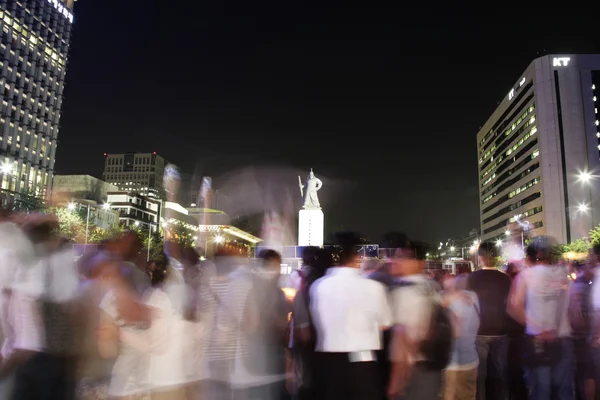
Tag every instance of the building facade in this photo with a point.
(98, 214)
(135, 209)
(34, 44)
(67, 187)
(136, 172)
(539, 152)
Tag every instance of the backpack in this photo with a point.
(436, 347)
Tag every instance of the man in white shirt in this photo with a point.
(539, 300)
(349, 312)
(412, 302)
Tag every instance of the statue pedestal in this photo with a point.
(311, 226)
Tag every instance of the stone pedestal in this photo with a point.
(311, 226)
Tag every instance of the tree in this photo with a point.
(595, 236)
(156, 241)
(71, 223)
(578, 246)
(97, 234)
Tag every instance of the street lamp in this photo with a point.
(507, 233)
(584, 177)
(71, 206)
(583, 208)
(106, 206)
(219, 239)
(499, 243)
(7, 167)
(452, 248)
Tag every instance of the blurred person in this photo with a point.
(580, 318)
(539, 300)
(126, 248)
(223, 339)
(396, 242)
(42, 314)
(460, 377)
(516, 332)
(196, 324)
(492, 288)
(162, 343)
(316, 262)
(259, 316)
(123, 312)
(94, 370)
(349, 311)
(595, 302)
(16, 252)
(422, 337)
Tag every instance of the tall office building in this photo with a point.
(141, 173)
(35, 46)
(539, 152)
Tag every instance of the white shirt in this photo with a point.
(547, 292)
(413, 306)
(348, 311)
(130, 371)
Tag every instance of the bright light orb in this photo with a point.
(584, 177)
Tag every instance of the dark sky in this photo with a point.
(389, 98)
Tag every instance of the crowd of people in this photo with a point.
(114, 325)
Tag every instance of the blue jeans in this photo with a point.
(556, 381)
(493, 367)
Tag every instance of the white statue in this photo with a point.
(312, 185)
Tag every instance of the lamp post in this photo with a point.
(585, 178)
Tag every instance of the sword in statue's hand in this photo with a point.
(301, 186)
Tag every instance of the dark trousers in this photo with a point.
(492, 372)
(584, 371)
(338, 378)
(547, 382)
(45, 377)
(516, 380)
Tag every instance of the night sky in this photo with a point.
(390, 99)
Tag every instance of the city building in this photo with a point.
(213, 238)
(539, 152)
(34, 44)
(136, 172)
(175, 215)
(68, 187)
(135, 209)
(97, 214)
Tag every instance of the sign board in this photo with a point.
(561, 61)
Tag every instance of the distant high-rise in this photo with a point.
(539, 152)
(136, 172)
(34, 44)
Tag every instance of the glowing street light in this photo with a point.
(507, 233)
(106, 206)
(499, 243)
(219, 239)
(6, 167)
(584, 177)
(136, 223)
(71, 206)
(452, 248)
(583, 208)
